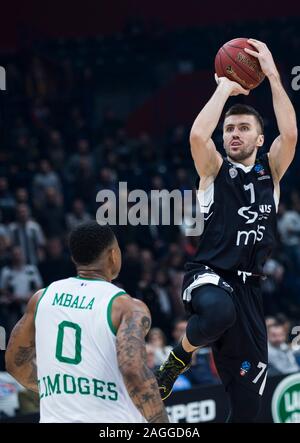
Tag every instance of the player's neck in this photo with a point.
(93, 274)
(246, 162)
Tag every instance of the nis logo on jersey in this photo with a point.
(251, 216)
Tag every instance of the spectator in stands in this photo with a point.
(154, 291)
(131, 268)
(51, 213)
(107, 179)
(182, 180)
(7, 201)
(75, 161)
(178, 145)
(289, 229)
(270, 321)
(77, 127)
(272, 286)
(39, 83)
(18, 282)
(78, 215)
(24, 152)
(27, 234)
(84, 182)
(44, 179)
(147, 259)
(56, 149)
(22, 196)
(281, 357)
(4, 252)
(158, 340)
(286, 322)
(150, 357)
(111, 123)
(56, 264)
(41, 114)
(161, 286)
(178, 330)
(4, 232)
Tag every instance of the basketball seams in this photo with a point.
(239, 65)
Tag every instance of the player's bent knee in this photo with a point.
(203, 330)
(214, 312)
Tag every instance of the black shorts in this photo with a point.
(241, 353)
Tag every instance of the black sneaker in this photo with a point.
(167, 374)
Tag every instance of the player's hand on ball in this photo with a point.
(234, 87)
(264, 56)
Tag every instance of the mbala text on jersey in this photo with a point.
(72, 301)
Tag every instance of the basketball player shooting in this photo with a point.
(81, 345)
(239, 196)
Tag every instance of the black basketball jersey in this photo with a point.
(239, 218)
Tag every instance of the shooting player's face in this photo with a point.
(241, 136)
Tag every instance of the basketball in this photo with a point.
(234, 63)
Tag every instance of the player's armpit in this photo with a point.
(132, 359)
(20, 354)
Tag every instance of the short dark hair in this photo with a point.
(88, 240)
(240, 108)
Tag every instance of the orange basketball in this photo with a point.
(234, 63)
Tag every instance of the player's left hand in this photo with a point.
(264, 56)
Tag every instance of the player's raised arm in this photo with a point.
(207, 160)
(135, 322)
(282, 150)
(20, 354)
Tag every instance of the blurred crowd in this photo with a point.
(57, 152)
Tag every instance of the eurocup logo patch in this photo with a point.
(259, 169)
(245, 367)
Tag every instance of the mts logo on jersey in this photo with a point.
(245, 237)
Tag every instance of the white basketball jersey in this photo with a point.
(78, 374)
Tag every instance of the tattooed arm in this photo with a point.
(20, 354)
(132, 319)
